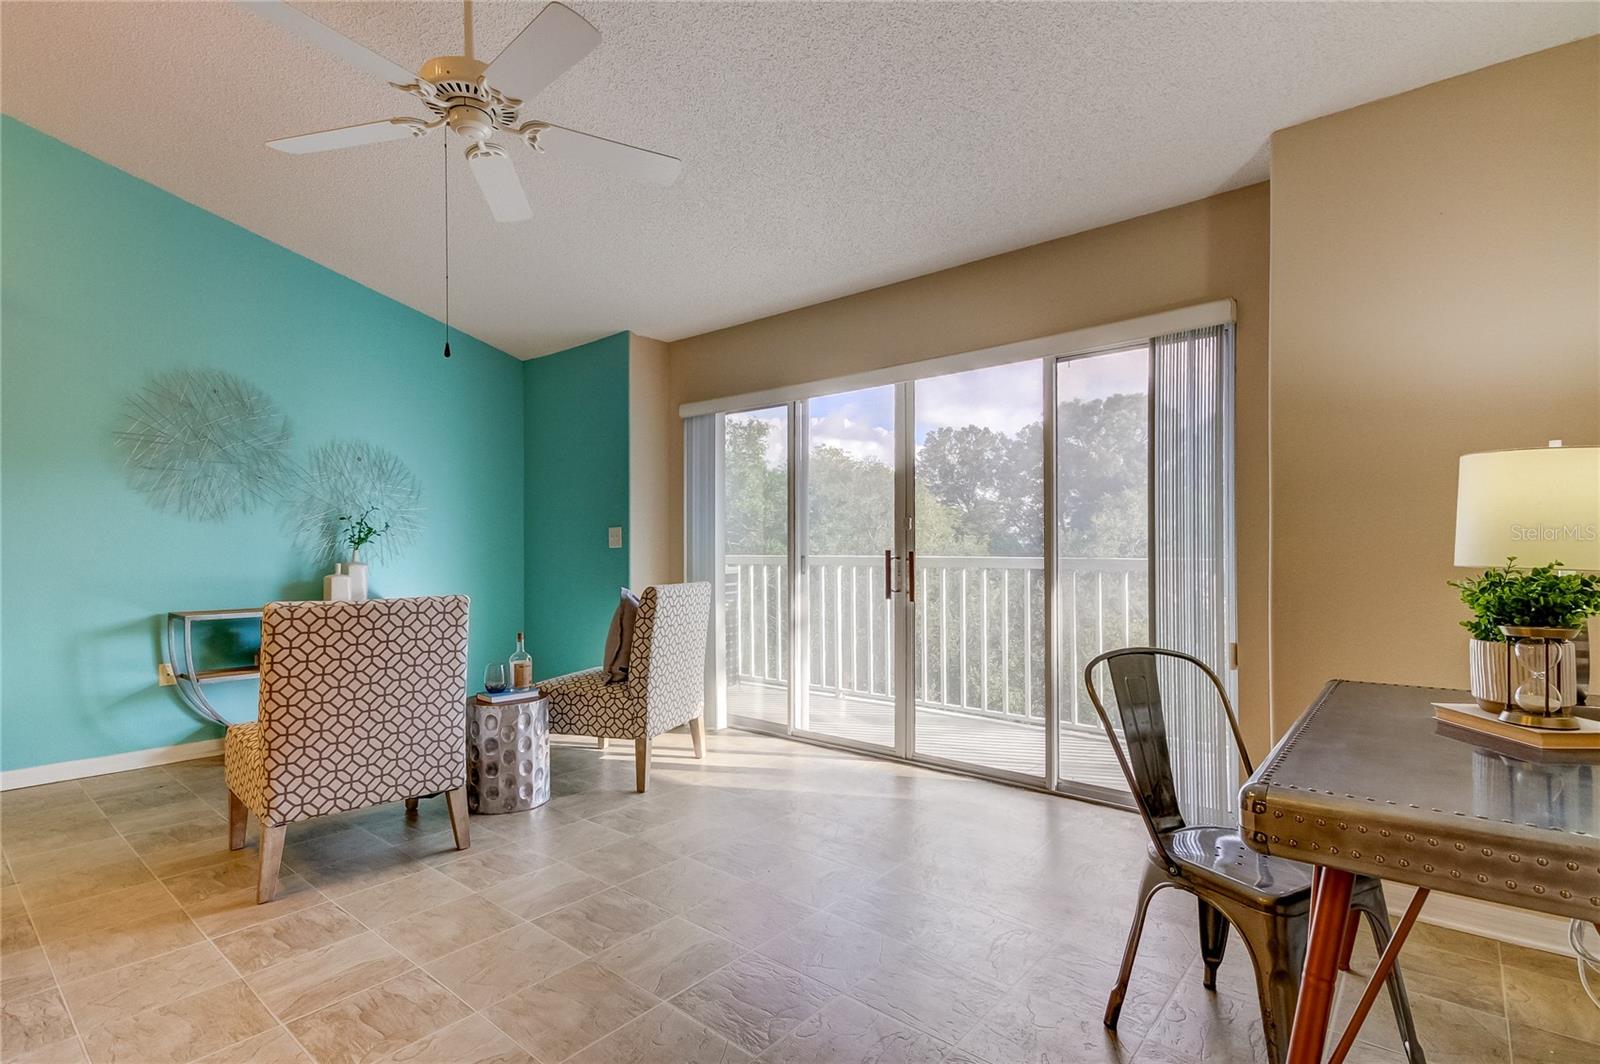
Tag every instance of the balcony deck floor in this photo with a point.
(979, 741)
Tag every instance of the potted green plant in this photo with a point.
(358, 531)
(1543, 597)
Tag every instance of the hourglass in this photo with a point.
(1537, 702)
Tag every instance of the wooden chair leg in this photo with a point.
(457, 801)
(600, 742)
(238, 820)
(697, 732)
(271, 858)
(411, 807)
(641, 764)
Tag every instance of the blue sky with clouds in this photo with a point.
(1003, 398)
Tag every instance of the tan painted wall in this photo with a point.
(651, 488)
(1435, 291)
(1213, 249)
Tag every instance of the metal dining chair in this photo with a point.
(1268, 899)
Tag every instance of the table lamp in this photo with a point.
(1540, 506)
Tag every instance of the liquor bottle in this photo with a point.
(521, 667)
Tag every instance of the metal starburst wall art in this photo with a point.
(346, 477)
(204, 444)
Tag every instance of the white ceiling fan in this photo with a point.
(476, 100)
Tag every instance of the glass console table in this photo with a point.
(192, 678)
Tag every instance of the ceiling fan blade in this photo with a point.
(498, 180)
(347, 136)
(556, 38)
(298, 22)
(613, 155)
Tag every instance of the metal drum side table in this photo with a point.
(508, 754)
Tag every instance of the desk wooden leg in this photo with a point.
(1347, 946)
(1386, 962)
(1330, 907)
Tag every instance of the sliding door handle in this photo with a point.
(888, 574)
(911, 575)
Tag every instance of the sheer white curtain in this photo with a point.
(1192, 552)
(702, 540)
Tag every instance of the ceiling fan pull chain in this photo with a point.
(447, 247)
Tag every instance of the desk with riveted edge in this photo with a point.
(1367, 782)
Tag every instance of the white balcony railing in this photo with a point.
(979, 637)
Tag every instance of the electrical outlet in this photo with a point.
(614, 537)
(164, 675)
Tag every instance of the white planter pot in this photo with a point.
(357, 572)
(1487, 662)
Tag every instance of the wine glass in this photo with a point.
(495, 678)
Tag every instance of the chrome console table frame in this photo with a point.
(191, 681)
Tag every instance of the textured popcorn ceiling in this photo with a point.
(829, 147)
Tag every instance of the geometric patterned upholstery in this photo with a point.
(666, 682)
(245, 766)
(361, 703)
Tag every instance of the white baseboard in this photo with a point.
(1519, 927)
(100, 766)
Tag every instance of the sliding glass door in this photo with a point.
(924, 568)
(1102, 503)
(979, 558)
(849, 568)
(755, 593)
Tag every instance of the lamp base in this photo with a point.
(1550, 722)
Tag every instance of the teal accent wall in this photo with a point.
(577, 467)
(107, 280)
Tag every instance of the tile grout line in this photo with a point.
(57, 984)
(659, 1001)
(1505, 1000)
(205, 938)
(532, 922)
(55, 980)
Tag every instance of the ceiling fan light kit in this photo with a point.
(477, 100)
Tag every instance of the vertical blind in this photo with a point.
(1192, 559)
(703, 543)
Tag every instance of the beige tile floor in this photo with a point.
(776, 900)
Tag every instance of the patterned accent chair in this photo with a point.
(666, 682)
(361, 703)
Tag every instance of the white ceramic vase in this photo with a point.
(357, 572)
(1487, 662)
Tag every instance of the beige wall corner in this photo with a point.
(1435, 291)
(1215, 248)
(651, 483)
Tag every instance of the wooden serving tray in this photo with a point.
(1474, 718)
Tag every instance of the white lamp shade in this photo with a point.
(1539, 506)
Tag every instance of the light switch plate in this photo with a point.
(164, 676)
(614, 537)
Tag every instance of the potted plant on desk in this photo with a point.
(1539, 599)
